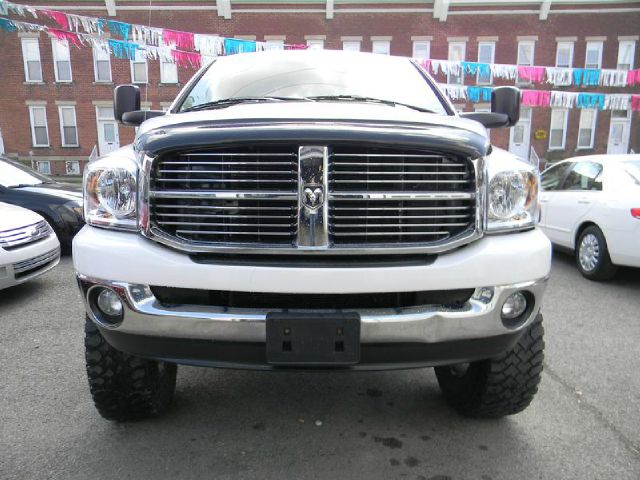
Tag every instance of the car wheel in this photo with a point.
(125, 387)
(592, 255)
(500, 386)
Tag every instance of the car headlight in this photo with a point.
(110, 193)
(512, 197)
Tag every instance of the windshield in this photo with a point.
(633, 169)
(306, 75)
(14, 174)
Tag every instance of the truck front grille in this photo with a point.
(373, 198)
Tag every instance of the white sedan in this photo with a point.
(28, 245)
(591, 205)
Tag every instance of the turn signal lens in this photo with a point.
(635, 212)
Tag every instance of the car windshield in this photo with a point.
(271, 76)
(14, 174)
(633, 169)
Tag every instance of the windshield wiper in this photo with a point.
(234, 101)
(358, 98)
(23, 185)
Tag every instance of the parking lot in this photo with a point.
(584, 423)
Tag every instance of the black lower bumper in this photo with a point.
(245, 355)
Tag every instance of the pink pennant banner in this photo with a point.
(536, 98)
(297, 46)
(71, 37)
(181, 40)
(633, 77)
(58, 17)
(531, 74)
(186, 59)
(635, 103)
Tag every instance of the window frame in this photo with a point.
(564, 128)
(33, 126)
(492, 44)
(464, 55)
(575, 164)
(352, 42)
(36, 41)
(381, 42)
(55, 44)
(562, 180)
(95, 65)
(424, 43)
(633, 53)
(600, 45)
(313, 43)
(593, 129)
(274, 44)
(43, 162)
(163, 62)
(565, 43)
(62, 126)
(532, 43)
(146, 68)
(72, 162)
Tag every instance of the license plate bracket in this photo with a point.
(313, 339)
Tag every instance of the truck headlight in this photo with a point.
(512, 199)
(110, 193)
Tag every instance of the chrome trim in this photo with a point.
(35, 262)
(23, 236)
(313, 205)
(480, 317)
(159, 236)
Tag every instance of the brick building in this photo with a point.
(55, 102)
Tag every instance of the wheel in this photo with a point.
(592, 255)
(125, 387)
(499, 386)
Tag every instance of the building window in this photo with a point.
(31, 59)
(526, 50)
(593, 56)
(456, 54)
(168, 71)
(139, 71)
(274, 44)
(44, 167)
(72, 167)
(558, 129)
(564, 54)
(316, 44)
(587, 128)
(351, 45)
(421, 49)
(101, 64)
(39, 130)
(626, 53)
(68, 126)
(382, 47)
(486, 54)
(61, 60)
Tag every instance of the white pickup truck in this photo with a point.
(315, 210)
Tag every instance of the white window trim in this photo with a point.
(493, 59)
(424, 42)
(274, 43)
(315, 41)
(358, 42)
(571, 52)
(600, 49)
(95, 68)
(75, 121)
(380, 42)
(464, 56)
(564, 128)
(54, 42)
(633, 52)
(71, 162)
(43, 162)
(163, 80)
(146, 65)
(26, 40)
(594, 124)
(33, 129)
(518, 60)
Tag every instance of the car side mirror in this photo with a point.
(505, 109)
(126, 106)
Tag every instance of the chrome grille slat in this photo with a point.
(23, 236)
(35, 262)
(248, 198)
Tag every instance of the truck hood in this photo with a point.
(194, 128)
(12, 217)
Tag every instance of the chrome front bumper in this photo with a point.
(478, 318)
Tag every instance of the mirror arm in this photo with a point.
(136, 117)
(488, 119)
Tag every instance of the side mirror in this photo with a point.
(126, 98)
(505, 109)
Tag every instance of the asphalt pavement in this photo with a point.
(583, 424)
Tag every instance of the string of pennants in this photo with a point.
(187, 50)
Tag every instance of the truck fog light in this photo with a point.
(514, 306)
(109, 303)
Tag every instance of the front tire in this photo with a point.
(125, 387)
(500, 386)
(592, 255)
